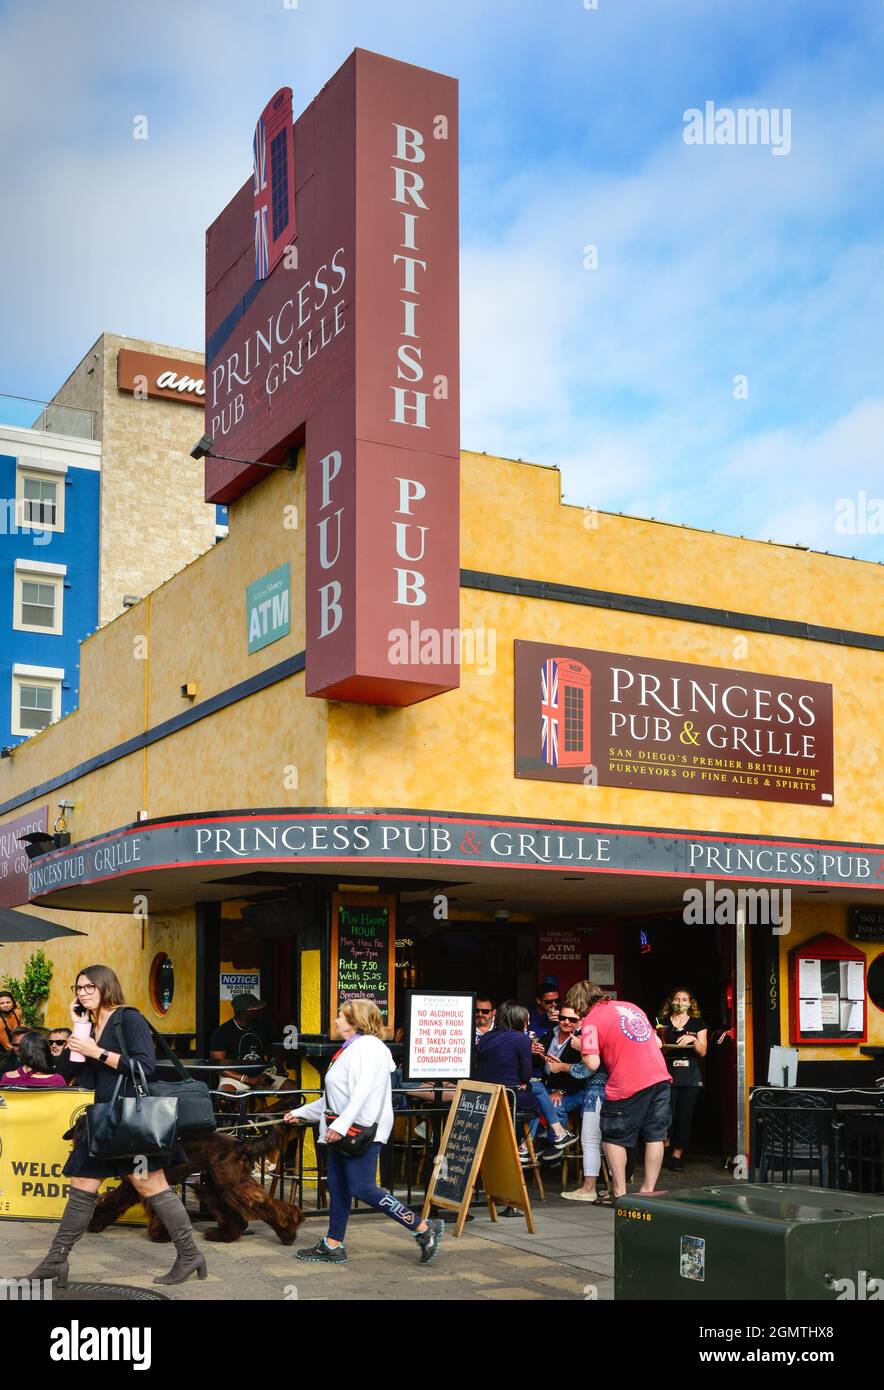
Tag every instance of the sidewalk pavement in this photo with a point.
(571, 1257)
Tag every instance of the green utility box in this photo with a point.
(749, 1241)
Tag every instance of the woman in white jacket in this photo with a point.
(358, 1092)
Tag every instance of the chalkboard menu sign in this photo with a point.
(865, 924)
(362, 952)
(462, 1144)
(479, 1139)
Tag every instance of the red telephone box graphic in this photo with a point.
(565, 687)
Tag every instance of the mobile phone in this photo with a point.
(79, 1010)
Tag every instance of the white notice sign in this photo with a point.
(601, 971)
(829, 1008)
(440, 1036)
(810, 985)
(851, 972)
(810, 1017)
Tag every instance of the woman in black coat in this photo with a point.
(99, 994)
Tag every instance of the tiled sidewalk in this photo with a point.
(571, 1257)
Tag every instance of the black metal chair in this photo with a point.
(793, 1133)
(859, 1165)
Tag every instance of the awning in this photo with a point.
(175, 861)
(23, 926)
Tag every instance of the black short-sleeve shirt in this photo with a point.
(247, 1044)
(685, 1066)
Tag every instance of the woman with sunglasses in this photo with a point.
(98, 995)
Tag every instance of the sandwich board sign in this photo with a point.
(479, 1141)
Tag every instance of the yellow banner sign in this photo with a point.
(33, 1153)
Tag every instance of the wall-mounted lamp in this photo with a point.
(8, 751)
(130, 600)
(189, 690)
(204, 449)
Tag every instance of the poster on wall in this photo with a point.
(601, 971)
(235, 982)
(440, 1033)
(609, 720)
(363, 944)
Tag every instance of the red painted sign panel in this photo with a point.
(14, 862)
(350, 347)
(611, 720)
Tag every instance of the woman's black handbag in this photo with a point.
(196, 1113)
(129, 1125)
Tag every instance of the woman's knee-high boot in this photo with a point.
(74, 1223)
(170, 1209)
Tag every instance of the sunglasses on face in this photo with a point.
(484, 1011)
(566, 1018)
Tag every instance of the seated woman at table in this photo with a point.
(504, 1055)
(35, 1065)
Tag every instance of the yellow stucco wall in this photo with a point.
(193, 629)
(128, 946)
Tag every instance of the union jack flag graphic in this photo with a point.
(549, 712)
(259, 172)
(273, 182)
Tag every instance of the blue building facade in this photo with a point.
(50, 494)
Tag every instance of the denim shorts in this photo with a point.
(645, 1115)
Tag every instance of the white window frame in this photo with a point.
(39, 475)
(32, 572)
(41, 682)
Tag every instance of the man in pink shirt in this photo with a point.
(619, 1036)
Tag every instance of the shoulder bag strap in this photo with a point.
(162, 1046)
(139, 1081)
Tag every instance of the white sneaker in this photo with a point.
(578, 1195)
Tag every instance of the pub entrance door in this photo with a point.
(661, 953)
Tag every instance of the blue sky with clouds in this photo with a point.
(714, 262)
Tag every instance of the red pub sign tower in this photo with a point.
(342, 335)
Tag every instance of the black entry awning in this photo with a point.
(23, 926)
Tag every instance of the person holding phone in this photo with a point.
(98, 995)
(686, 1036)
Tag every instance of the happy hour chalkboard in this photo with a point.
(363, 943)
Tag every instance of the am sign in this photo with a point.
(268, 608)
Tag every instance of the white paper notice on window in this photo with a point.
(829, 1009)
(852, 979)
(810, 983)
(851, 1015)
(810, 1017)
(601, 970)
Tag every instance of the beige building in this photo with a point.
(154, 519)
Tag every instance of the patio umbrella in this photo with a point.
(22, 926)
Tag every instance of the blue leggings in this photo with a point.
(350, 1178)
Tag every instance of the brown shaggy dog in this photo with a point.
(228, 1188)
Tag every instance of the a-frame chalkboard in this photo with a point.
(479, 1139)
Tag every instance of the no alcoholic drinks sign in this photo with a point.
(344, 338)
